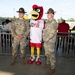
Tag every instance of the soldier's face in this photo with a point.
(21, 15)
(50, 15)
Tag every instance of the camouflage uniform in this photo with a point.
(19, 27)
(49, 37)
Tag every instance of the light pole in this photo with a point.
(14, 12)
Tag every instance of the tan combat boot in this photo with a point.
(46, 66)
(23, 62)
(50, 71)
(13, 61)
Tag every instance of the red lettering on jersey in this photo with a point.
(35, 24)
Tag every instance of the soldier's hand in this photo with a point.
(18, 37)
(21, 37)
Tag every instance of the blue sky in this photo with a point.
(63, 8)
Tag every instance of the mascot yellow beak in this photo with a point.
(34, 15)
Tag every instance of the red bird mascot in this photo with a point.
(36, 28)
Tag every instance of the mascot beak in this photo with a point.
(34, 14)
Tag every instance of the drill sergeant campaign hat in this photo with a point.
(21, 10)
(50, 10)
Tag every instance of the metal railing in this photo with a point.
(64, 46)
(5, 42)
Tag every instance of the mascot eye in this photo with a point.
(38, 10)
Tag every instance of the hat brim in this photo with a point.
(21, 12)
(50, 12)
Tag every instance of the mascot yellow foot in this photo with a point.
(32, 58)
(38, 61)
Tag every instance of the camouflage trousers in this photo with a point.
(50, 55)
(15, 44)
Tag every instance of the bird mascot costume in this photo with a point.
(36, 29)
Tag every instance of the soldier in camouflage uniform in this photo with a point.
(49, 37)
(19, 31)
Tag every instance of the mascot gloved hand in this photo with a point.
(36, 28)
